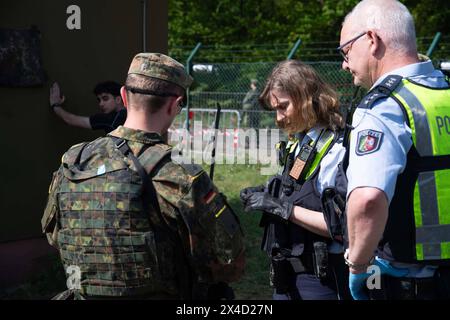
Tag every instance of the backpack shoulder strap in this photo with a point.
(153, 156)
(151, 159)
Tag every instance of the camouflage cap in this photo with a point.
(160, 66)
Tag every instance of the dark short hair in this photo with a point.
(162, 90)
(107, 87)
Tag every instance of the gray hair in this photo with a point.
(390, 19)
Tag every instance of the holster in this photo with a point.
(282, 275)
(333, 206)
(320, 260)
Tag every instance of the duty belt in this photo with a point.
(302, 263)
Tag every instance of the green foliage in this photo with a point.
(430, 16)
(280, 22)
(254, 21)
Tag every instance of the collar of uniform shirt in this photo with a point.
(408, 71)
(136, 135)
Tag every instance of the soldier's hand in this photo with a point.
(55, 95)
(265, 202)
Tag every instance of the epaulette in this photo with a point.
(383, 90)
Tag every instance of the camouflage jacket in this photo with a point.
(192, 207)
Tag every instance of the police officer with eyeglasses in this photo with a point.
(398, 159)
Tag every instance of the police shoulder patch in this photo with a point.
(368, 142)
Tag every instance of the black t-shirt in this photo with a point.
(108, 121)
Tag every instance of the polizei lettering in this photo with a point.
(443, 124)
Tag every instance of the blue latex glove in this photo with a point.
(357, 282)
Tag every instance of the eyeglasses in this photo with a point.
(349, 42)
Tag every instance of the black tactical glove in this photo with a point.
(247, 191)
(265, 202)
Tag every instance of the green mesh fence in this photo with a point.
(228, 84)
(221, 76)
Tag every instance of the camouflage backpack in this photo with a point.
(97, 218)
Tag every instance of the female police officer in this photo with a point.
(306, 263)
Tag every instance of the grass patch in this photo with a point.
(230, 179)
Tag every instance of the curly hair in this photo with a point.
(111, 87)
(315, 102)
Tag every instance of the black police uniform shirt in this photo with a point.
(108, 121)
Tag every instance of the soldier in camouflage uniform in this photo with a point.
(128, 219)
(250, 106)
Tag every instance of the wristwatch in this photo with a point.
(356, 266)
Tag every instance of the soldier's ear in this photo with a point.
(123, 94)
(180, 101)
(175, 106)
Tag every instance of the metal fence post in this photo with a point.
(144, 26)
(433, 44)
(188, 69)
(294, 49)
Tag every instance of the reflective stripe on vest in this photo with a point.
(321, 147)
(428, 110)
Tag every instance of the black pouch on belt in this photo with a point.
(320, 259)
(282, 275)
